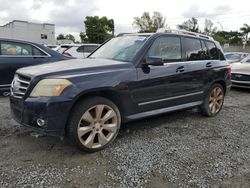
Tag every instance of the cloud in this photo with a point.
(194, 11)
(67, 15)
(19, 11)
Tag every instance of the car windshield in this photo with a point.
(232, 56)
(122, 48)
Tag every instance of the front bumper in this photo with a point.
(241, 84)
(53, 110)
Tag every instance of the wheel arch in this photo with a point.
(107, 93)
(221, 82)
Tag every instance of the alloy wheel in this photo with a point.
(216, 100)
(97, 126)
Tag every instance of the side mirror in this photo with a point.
(154, 60)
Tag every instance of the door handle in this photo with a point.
(209, 64)
(180, 69)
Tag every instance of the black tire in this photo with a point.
(205, 107)
(88, 106)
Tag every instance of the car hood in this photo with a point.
(74, 66)
(243, 68)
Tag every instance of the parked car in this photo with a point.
(130, 77)
(15, 54)
(241, 73)
(81, 50)
(235, 57)
(53, 46)
(246, 59)
(64, 47)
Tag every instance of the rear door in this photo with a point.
(198, 60)
(14, 55)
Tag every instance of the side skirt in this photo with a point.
(163, 110)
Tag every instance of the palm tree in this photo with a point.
(245, 30)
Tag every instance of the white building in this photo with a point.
(40, 33)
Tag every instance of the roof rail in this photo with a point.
(181, 31)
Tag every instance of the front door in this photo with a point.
(165, 85)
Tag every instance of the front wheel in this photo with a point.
(94, 124)
(214, 100)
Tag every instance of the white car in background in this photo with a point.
(53, 47)
(235, 57)
(79, 50)
(241, 73)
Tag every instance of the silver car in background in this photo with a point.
(235, 57)
(80, 50)
(241, 73)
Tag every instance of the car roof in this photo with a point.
(77, 45)
(199, 35)
(18, 40)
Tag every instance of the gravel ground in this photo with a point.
(180, 149)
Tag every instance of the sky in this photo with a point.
(68, 15)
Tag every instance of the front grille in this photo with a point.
(240, 77)
(20, 85)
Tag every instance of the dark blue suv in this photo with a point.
(15, 54)
(130, 77)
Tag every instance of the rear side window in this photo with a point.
(37, 52)
(19, 49)
(89, 49)
(193, 49)
(213, 51)
(86, 49)
(80, 49)
(167, 47)
(205, 51)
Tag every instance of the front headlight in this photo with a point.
(50, 87)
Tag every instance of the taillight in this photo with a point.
(67, 54)
(229, 71)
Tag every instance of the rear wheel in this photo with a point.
(94, 124)
(214, 100)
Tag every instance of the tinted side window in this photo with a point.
(205, 51)
(168, 48)
(37, 52)
(193, 49)
(89, 49)
(86, 49)
(80, 49)
(15, 49)
(213, 51)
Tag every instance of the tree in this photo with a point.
(60, 37)
(99, 29)
(231, 37)
(190, 25)
(83, 37)
(245, 30)
(66, 37)
(209, 28)
(70, 37)
(148, 24)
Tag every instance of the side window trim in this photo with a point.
(32, 45)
